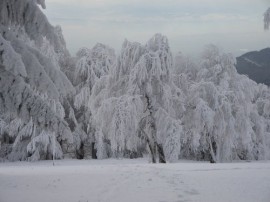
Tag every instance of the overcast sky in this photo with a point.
(234, 25)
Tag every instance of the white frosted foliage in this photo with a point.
(142, 101)
(44, 144)
(267, 19)
(11, 60)
(33, 87)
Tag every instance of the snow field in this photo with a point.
(133, 181)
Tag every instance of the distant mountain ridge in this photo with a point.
(256, 65)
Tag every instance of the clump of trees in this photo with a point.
(142, 101)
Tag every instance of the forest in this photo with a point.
(103, 104)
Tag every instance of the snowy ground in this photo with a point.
(134, 181)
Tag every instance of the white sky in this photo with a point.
(234, 25)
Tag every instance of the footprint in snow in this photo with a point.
(192, 192)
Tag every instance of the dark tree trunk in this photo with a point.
(153, 153)
(161, 154)
(151, 137)
(152, 149)
(212, 160)
(94, 151)
(213, 152)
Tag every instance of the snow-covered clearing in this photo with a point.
(134, 180)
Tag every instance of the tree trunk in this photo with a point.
(212, 148)
(161, 154)
(153, 153)
(151, 137)
(152, 149)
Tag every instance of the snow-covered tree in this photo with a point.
(267, 19)
(222, 121)
(115, 112)
(91, 66)
(137, 93)
(33, 87)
